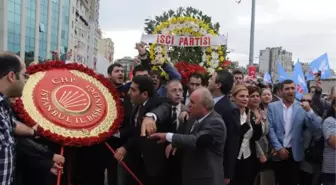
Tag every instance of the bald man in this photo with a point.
(202, 141)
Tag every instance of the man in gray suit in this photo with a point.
(202, 141)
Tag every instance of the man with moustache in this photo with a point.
(238, 77)
(12, 79)
(167, 114)
(202, 141)
(195, 81)
(287, 119)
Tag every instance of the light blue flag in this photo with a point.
(299, 79)
(319, 64)
(282, 74)
(267, 78)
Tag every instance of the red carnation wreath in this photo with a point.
(186, 69)
(75, 130)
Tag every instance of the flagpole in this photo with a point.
(252, 33)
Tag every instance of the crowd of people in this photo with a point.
(222, 130)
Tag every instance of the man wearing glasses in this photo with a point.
(12, 79)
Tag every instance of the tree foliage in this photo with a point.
(190, 54)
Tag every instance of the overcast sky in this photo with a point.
(307, 28)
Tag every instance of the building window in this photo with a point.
(42, 27)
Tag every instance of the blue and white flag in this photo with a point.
(319, 64)
(282, 74)
(299, 79)
(267, 78)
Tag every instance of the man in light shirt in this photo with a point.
(287, 119)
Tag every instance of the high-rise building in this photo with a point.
(268, 61)
(34, 28)
(84, 31)
(305, 67)
(106, 48)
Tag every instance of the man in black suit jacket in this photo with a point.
(202, 142)
(220, 85)
(167, 114)
(195, 81)
(148, 159)
(277, 92)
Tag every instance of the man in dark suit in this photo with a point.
(195, 81)
(220, 85)
(202, 142)
(238, 77)
(116, 173)
(167, 114)
(145, 156)
(277, 92)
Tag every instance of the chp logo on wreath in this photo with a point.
(71, 104)
(71, 99)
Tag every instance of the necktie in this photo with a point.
(194, 125)
(174, 118)
(140, 114)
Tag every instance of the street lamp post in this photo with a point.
(252, 33)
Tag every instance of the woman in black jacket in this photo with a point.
(251, 131)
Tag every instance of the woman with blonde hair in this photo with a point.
(250, 132)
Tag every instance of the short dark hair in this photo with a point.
(141, 68)
(237, 72)
(174, 80)
(225, 78)
(252, 89)
(276, 88)
(112, 66)
(286, 82)
(145, 83)
(331, 111)
(9, 62)
(197, 76)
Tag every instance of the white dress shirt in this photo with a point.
(187, 100)
(245, 150)
(178, 111)
(287, 115)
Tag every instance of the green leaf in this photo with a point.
(190, 54)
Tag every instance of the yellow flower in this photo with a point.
(220, 68)
(212, 32)
(184, 31)
(163, 73)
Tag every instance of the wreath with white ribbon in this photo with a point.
(186, 26)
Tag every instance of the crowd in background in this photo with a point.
(217, 130)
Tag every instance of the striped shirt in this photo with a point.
(329, 154)
(7, 143)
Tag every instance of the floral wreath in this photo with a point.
(26, 117)
(186, 26)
